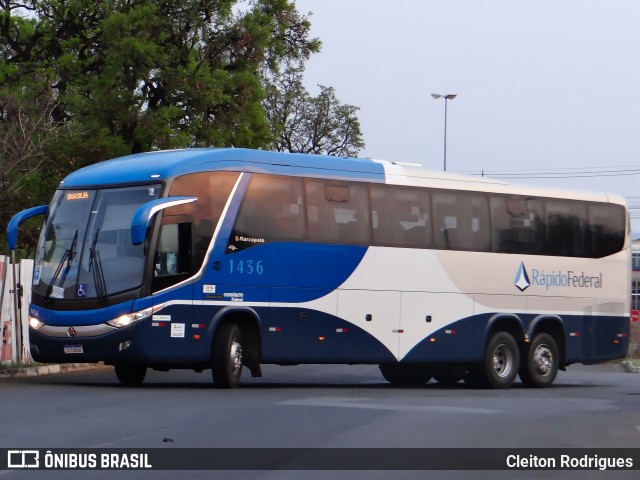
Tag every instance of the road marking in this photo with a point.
(364, 403)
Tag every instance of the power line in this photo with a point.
(561, 172)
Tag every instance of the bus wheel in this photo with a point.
(130, 375)
(501, 362)
(227, 356)
(540, 362)
(405, 375)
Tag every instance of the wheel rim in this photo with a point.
(235, 357)
(543, 359)
(502, 360)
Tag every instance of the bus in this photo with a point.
(220, 259)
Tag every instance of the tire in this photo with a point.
(500, 366)
(227, 356)
(540, 361)
(130, 375)
(405, 375)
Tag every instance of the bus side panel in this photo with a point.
(596, 338)
(298, 335)
(461, 341)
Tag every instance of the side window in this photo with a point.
(213, 190)
(173, 255)
(186, 230)
(607, 225)
(337, 212)
(518, 225)
(401, 216)
(565, 226)
(272, 210)
(461, 221)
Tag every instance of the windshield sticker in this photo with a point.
(177, 330)
(37, 273)
(57, 292)
(82, 290)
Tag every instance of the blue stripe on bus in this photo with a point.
(275, 267)
(595, 338)
(318, 337)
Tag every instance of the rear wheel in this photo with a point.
(130, 375)
(500, 366)
(502, 360)
(405, 375)
(227, 356)
(540, 362)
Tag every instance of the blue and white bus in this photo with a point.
(228, 258)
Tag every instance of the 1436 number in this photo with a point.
(246, 267)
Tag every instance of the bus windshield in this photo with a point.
(85, 250)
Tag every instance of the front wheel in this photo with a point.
(540, 362)
(130, 375)
(227, 356)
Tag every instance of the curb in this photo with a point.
(48, 369)
(629, 368)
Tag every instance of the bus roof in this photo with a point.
(170, 163)
(166, 164)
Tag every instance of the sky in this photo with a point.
(544, 88)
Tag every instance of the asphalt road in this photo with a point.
(317, 407)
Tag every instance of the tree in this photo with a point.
(148, 74)
(126, 76)
(305, 124)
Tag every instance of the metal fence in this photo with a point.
(14, 347)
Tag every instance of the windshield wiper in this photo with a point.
(66, 260)
(95, 266)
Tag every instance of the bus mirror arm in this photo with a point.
(143, 215)
(12, 240)
(17, 219)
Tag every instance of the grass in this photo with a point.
(634, 361)
(14, 366)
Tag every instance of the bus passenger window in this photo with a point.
(462, 221)
(337, 212)
(401, 216)
(272, 210)
(606, 229)
(565, 224)
(517, 225)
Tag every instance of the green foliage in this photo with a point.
(82, 81)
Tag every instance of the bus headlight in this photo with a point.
(35, 324)
(129, 318)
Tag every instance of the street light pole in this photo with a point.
(447, 96)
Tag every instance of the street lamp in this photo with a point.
(447, 96)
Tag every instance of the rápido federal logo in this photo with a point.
(555, 278)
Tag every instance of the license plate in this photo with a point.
(73, 349)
